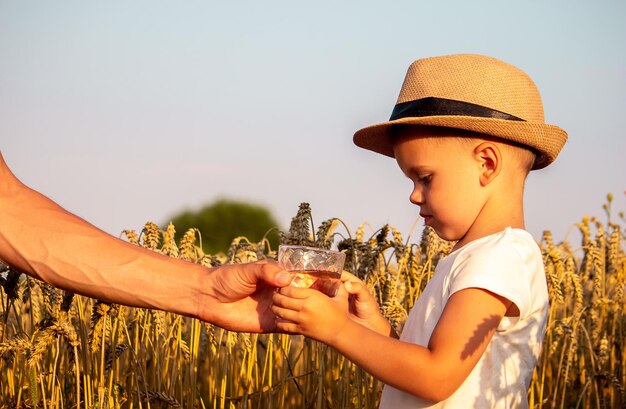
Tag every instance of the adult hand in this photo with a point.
(238, 297)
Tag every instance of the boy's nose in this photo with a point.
(416, 197)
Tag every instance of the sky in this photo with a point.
(128, 112)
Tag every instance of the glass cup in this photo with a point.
(312, 266)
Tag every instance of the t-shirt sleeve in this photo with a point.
(504, 267)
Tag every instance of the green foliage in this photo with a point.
(224, 220)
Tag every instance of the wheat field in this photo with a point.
(60, 350)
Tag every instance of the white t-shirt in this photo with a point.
(509, 264)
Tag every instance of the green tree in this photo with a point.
(225, 219)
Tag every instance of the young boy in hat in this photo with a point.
(466, 130)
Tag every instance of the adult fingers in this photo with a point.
(274, 274)
(266, 271)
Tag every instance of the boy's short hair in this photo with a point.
(473, 93)
(524, 156)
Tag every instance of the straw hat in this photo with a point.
(474, 93)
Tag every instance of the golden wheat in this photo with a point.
(61, 351)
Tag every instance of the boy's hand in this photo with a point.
(363, 307)
(309, 312)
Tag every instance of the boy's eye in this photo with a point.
(424, 179)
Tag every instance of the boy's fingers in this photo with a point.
(283, 301)
(351, 278)
(359, 291)
(294, 292)
(341, 292)
(328, 287)
(345, 276)
(284, 314)
(355, 288)
(287, 327)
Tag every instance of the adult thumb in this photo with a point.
(282, 279)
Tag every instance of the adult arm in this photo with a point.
(43, 240)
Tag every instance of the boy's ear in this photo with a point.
(489, 159)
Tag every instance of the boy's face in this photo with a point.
(445, 175)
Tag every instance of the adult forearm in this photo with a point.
(45, 241)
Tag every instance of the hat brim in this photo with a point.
(546, 140)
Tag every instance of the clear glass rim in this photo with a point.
(308, 248)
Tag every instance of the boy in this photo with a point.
(466, 131)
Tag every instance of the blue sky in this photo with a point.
(125, 112)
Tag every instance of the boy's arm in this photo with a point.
(466, 326)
